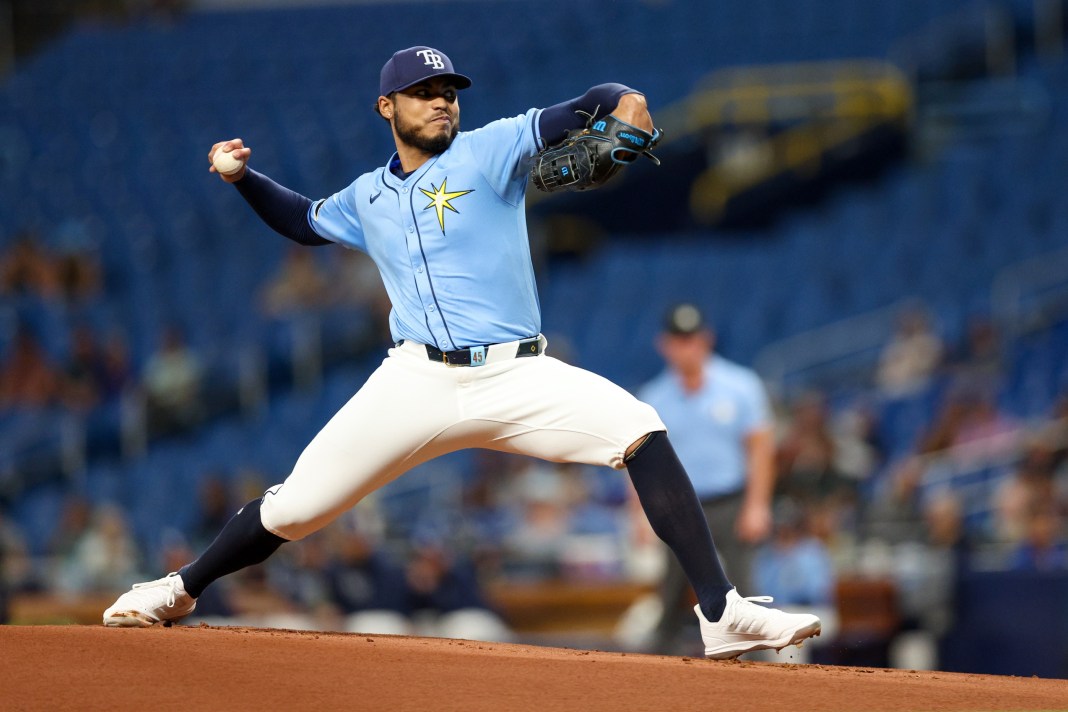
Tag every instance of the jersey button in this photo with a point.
(404, 190)
(411, 229)
(430, 308)
(419, 270)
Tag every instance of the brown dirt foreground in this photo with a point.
(202, 668)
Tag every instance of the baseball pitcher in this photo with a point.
(444, 221)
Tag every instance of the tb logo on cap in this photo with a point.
(431, 58)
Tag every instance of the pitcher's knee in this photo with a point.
(288, 517)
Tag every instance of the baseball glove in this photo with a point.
(588, 158)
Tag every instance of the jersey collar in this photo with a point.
(389, 177)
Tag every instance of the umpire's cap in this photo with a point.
(684, 319)
(417, 64)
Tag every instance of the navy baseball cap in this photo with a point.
(684, 319)
(416, 64)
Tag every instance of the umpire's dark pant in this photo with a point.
(736, 557)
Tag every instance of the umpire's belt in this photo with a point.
(476, 355)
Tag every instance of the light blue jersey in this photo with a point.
(708, 428)
(451, 239)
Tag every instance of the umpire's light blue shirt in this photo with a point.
(708, 428)
(451, 239)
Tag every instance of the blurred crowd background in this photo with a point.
(865, 198)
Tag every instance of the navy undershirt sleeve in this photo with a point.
(558, 119)
(284, 211)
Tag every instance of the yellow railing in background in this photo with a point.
(815, 108)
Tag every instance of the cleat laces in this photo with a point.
(171, 582)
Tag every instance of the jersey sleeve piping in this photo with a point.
(313, 211)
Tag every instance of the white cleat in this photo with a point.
(745, 627)
(161, 601)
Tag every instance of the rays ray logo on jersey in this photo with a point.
(440, 198)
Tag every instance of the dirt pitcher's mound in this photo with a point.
(201, 668)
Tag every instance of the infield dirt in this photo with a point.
(203, 668)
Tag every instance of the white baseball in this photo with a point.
(225, 163)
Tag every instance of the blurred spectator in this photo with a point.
(599, 546)
(83, 378)
(359, 284)
(172, 379)
(911, 357)
(215, 508)
(116, 371)
(944, 522)
(928, 597)
(540, 520)
(299, 285)
(249, 483)
(299, 576)
(794, 567)
(857, 447)
(71, 527)
(970, 422)
(445, 596)
(718, 415)
(1043, 547)
(1055, 431)
(1030, 484)
(75, 263)
(104, 559)
(807, 455)
(979, 363)
(984, 426)
(541, 499)
(490, 519)
(944, 432)
(17, 573)
(894, 514)
(925, 575)
(27, 270)
(27, 377)
(365, 583)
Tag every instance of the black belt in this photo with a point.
(476, 355)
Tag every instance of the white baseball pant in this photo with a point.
(413, 409)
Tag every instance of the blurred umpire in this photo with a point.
(718, 415)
